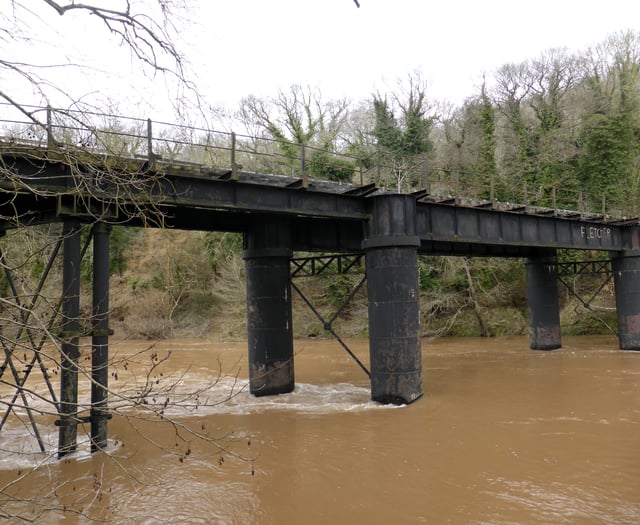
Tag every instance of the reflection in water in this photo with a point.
(502, 435)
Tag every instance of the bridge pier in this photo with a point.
(394, 307)
(267, 257)
(542, 299)
(626, 279)
(100, 338)
(68, 422)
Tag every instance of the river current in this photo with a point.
(502, 435)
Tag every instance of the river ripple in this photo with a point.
(503, 435)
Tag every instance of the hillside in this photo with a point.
(191, 284)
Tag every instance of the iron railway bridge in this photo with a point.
(73, 169)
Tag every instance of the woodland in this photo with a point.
(560, 130)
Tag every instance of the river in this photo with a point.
(502, 435)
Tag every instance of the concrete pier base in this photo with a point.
(542, 299)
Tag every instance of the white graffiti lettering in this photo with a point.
(595, 232)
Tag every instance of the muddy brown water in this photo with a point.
(503, 435)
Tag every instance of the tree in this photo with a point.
(404, 140)
(147, 30)
(487, 123)
(466, 146)
(32, 333)
(610, 135)
(298, 118)
(534, 103)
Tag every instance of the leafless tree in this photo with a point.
(147, 30)
(29, 310)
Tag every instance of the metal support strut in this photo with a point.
(9, 347)
(328, 325)
(68, 421)
(100, 338)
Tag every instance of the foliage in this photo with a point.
(404, 141)
(323, 165)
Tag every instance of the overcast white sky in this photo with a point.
(261, 45)
(242, 47)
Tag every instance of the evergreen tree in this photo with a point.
(486, 166)
(610, 135)
(405, 141)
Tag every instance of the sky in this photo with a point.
(352, 51)
(256, 47)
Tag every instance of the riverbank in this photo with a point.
(192, 284)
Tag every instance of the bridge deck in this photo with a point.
(41, 184)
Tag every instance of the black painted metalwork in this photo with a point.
(281, 215)
(269, 316)
(597, 267)
(9, 345)
(394, 307)
(328, 325)
(70, 352)
(324, 264)
(394, 324)
(626, 275)
(542, 298)
(329, 216)
(574, 269)
(19, 382)
(100, 338)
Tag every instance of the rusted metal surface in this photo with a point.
(545, 337)
(394, 324)
(543, 303)
(269, 315)
(269, 378)
(68, 422)
(626, 278)
(100, 338)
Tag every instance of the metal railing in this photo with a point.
(103, 134)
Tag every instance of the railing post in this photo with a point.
(303, 166)
(526, 195)
(492, 189)
(378, 167)
(50, 141)
(234, 165)
(554, 201)
(150, 155)
(604, 206)
(581, 202)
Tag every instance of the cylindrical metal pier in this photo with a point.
(100, 338)
(68, 421)
(269, 318)
(626, 278)
(394, 300)
(543, 302)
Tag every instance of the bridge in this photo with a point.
(61, 167)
